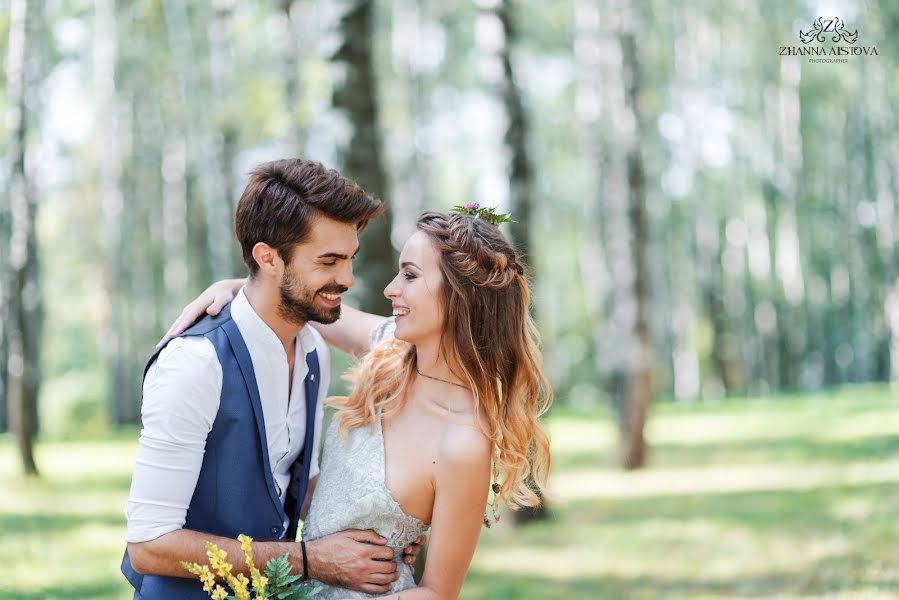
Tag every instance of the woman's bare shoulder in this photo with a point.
(465, 445)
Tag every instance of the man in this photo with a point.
(232, 407)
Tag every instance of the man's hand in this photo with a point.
(353, 559)
(411, 552)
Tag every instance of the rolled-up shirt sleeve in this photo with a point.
(181, 395)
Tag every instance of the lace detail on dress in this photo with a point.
(352, 494)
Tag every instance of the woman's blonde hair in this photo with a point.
(488, 331)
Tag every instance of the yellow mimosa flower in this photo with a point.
(259, 583)
(208, 580)
(219, 593)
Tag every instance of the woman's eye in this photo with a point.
(408, 276)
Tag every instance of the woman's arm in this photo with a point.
(350, 333)
(211, 301)
(463, 480)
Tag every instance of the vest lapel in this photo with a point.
(249, 377)
(300, 471)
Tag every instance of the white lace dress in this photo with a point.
(352, 494)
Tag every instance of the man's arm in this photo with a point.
(163, 555)
(358, 560)
(180, 401)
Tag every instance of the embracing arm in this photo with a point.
(211, 301)
(350, 333)
(463, 480)
(163, 555)
(358, 560)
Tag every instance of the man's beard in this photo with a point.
(298, 303)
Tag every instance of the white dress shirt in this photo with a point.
(181, 398)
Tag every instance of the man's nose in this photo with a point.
(345, 277)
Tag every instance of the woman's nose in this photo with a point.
(391, 290)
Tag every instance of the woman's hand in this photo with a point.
(211, 301)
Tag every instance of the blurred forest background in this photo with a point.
(711, 227)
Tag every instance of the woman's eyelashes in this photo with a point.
(408, 276)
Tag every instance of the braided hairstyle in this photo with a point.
(489, 332)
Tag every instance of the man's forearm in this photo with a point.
(163, 555)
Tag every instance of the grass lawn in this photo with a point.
(786, 498)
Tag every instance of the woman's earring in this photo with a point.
(494, 505)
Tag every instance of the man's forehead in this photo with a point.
(329, 236)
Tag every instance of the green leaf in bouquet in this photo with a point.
(277, 569)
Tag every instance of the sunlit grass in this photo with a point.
(780, 498)
(771, 498)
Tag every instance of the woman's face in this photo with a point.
(415, 292)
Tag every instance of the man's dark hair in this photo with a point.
(284, 197)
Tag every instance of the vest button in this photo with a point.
(275, 529)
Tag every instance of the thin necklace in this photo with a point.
(438, 379)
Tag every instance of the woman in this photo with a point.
(447, 399)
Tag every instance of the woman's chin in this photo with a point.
(402, 335)
(405, 333)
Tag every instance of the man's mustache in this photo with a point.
(333, 289)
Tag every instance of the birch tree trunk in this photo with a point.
(521, 172)
(203, 154)
(23, 310)
(591, 257)
(225, 130)
(624, 189)
(355, 93)
(411, 183)
(291, 75)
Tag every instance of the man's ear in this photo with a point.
(267, 258)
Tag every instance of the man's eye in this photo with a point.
(330, 264)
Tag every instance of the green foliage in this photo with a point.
(280, 581)
(72, 405)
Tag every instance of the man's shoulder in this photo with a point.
(185, 363)
(188, 351)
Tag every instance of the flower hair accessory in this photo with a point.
(487, 213)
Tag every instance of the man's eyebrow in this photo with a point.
(338, 255)
(409, 263)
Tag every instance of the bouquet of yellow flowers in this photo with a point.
(276, 583)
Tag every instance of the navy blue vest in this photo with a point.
(235, 491)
